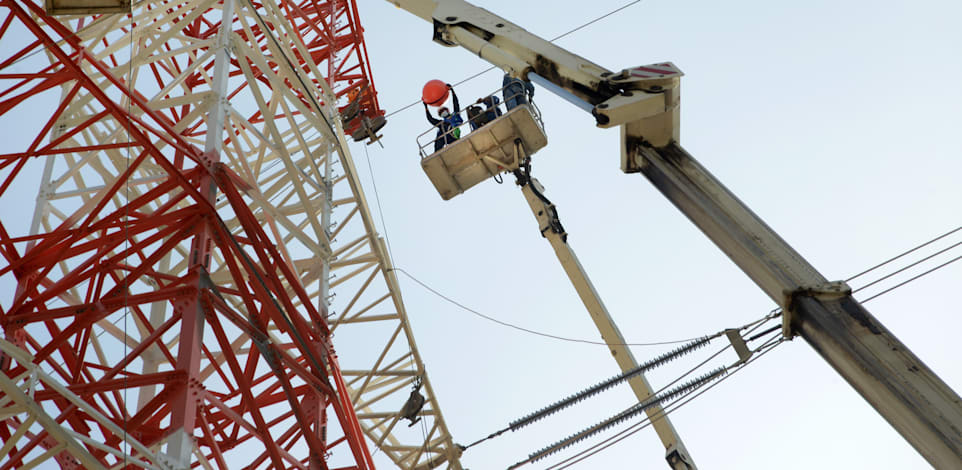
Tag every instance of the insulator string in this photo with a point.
(607, 384)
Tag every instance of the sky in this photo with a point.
(837, 123)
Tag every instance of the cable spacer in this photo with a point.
(825, 291)
(741, 348)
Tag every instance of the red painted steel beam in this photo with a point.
(99, 245)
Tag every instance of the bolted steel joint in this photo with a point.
(678, 459)
(825, 291)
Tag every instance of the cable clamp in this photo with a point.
(678, 458)
(825, 291)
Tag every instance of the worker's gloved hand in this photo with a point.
(449, 85)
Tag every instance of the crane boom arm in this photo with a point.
(644, 102)
(646, 93)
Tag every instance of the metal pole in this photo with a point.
(912, 398)
(675, 451)
(181, 441)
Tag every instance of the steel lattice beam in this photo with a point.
(139, 221)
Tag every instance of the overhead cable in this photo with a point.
(380, 210)
(633, 429)
(526, 330)
(907, 267)
(923, 245)
(660, 414)
(598, 388)
(607, 384)
(662, 398)
(914, 278)
(268, 33)
(660, 360)
(582, 26)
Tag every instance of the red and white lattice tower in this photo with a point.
(168, 302)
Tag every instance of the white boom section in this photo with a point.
(675, 451)
(647, 92)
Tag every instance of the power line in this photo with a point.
(664, 412)
(612, 12)
(380, 211)
(295, 70)
(923, 245)
(607, 384)
(631, 430)
(660, 360)
(910, 265)
(598, 388)
(526, 330)
(914, 278)
(472, 77)
(907, 267)
(654, 401)
(765, 348)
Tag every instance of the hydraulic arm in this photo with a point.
(550, 225)
(647, 93)
(643, 102)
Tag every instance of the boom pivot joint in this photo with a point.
(824, 291)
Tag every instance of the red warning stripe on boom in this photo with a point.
(655, 70)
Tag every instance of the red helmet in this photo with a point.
(434, 93)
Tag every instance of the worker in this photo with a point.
(516, 91)
(353, 107)
(448, 130)
(479, 117)
(492, 111)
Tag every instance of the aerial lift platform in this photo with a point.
(498, 146)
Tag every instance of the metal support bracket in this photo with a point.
(547, 214)
(678, 460)
(826, 291)
(648, 91)
(739, 344)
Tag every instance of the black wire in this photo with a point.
(631, 430)
(751, 327)
(611, 382)
(296, 70)
(905, 268)
(950, 232)
(753, 338)
(612, 12)
(380, 210)
(526, 330)
(890, 289)
(472, 77)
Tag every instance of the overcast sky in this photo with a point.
(836, 122)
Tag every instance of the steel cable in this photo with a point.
(526, 330)
(923, 245)
(631, 430)
(751, 327)
(472, 77)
